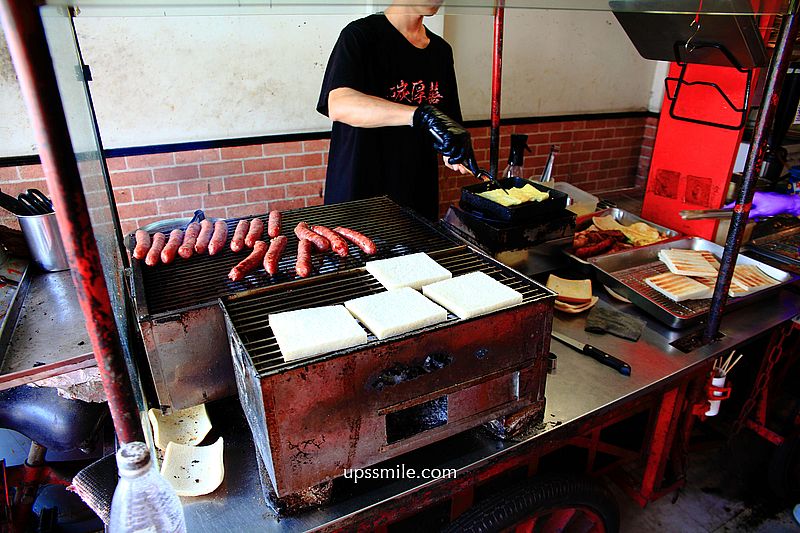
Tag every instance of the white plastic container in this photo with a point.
(714, 405)
(580, 202)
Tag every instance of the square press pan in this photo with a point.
(625, 272)
(525, 212)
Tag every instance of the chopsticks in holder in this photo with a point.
(721, 368)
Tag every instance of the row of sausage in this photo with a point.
(205, 237)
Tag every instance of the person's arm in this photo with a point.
(769, 204)
(361, 110)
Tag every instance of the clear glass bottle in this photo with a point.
(519, 143)
(143, 500)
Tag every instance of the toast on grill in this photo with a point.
(697, 263)
(412, 270)
(679, 288)
(314, 331)
(395, 312)
(472, 294)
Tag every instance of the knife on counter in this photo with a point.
(595, 353)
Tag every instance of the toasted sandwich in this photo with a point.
(679, 288)
(689, 262)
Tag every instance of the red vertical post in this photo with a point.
(27, 43)
(497, 82)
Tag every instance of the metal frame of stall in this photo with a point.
(24, 31)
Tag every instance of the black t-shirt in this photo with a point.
(373, 57)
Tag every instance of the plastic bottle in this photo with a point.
(547, 173)
(519, 143)
(143, 500)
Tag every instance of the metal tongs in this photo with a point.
(472, 166)
(698, 214)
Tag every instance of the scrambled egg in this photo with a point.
(515, 196)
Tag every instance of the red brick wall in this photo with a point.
(596, 155)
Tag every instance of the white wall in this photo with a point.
(16, 135)
(554, 62)
(183, 78)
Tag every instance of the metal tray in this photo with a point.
(624, 273)
(527, 211)
(623, 217)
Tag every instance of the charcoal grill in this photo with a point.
(183, 329)
(313, 418)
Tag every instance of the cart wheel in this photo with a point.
(784, 469)
(546, 503)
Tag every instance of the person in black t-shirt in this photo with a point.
(390, 90)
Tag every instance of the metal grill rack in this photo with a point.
(634, 278)
(248, 311)
(202, 278)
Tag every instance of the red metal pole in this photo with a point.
(497, 75)
(27, 43)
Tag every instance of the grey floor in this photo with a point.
(710, 502)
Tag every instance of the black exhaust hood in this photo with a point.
(674, 30)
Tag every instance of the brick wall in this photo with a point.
(596, 155)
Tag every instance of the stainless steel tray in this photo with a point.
(625, 272)
(623, 217)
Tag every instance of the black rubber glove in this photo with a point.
(449, 137)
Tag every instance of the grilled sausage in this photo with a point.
(304, 232)
(218, 238)
(171, 248)
(142, 244)
(274, 252)
(189, 240)
(237, 242)
(249, 263)
(338, 244)
(595, 249)
(359, 239)
(254, 233)
(159, 240)
(274, 224)
(303, 265)
(206, 228)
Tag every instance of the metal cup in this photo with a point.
(44, 241)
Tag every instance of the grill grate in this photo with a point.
(203, 279)
(634, 278)
(248, 312)
(787, 246)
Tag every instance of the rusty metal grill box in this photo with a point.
(312, 418)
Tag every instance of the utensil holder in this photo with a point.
(44, 241)
(717, 382)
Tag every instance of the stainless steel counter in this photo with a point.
(50, 336)
(581, 388)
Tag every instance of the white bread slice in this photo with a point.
(187, 426)
(472, 294)
(413, 270)
(314, 331)
(678, 288)
(688, 262)
(396, 312)
(575, 309)
(194, 470)
(576, 291)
